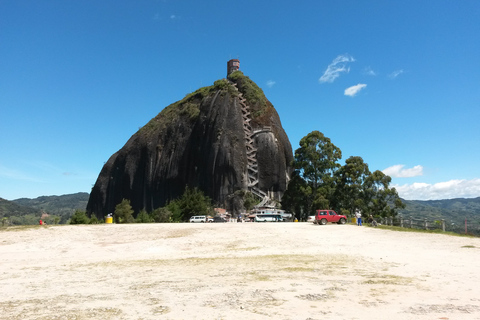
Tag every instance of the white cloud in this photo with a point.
(173, 16)
(369, 71)
(353, 90)
(270, 83)
(395, 73)
(442, 190)
(398, 171)
(334, 69)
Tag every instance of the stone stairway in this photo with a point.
(252, 165)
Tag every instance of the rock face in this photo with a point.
(200, 142)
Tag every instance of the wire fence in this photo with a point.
(468, 227)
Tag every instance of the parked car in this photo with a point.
(311, 219)
(198, 219)
(324, 216)
(219, 219)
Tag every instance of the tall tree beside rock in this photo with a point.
(320, 182)
(316, 162)
(349, 192)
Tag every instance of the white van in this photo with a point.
(198, 219)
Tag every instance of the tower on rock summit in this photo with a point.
(232, 66)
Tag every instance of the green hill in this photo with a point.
(455, 212)
(10, 208)
(57, 205)
(28, 211)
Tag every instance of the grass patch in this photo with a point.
(387, 279)
(258, 276)
(298, 269)
(436, 231)
(22, 228)
(179, 233)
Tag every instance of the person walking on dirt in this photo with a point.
(358, 214)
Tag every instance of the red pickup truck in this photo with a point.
(324, 216)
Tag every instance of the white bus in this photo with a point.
(268, 217)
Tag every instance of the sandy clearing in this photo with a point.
(236, 271)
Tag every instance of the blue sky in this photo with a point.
(394, 82)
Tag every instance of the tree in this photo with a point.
(350, 180)
(161, 215)
(93, 219)
(296, 197)
(143, 217)
(79, 217)
(316, 161)
(124, 212)
(176, 211)
(379, 199)
(245, 198)
(194, 203)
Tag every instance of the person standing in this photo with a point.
(358, 214)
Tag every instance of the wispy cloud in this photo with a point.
(398, 171)
(163, 17)
(395, 73)
(369, 71)
(353, 90)
(442, 190)
(334, 69)
(14, 174)
(270, 83)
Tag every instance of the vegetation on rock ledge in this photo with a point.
(253, 93)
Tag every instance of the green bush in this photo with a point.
(161, 215)
(143, 217)
(124, 212)
(79, 217)
(174, 208)
(94, 219)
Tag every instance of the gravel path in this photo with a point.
(236, 271)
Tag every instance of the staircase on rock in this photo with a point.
(252, 165)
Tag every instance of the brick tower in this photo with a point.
(232, 65)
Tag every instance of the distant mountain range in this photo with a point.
(29, 211)
(452, 210)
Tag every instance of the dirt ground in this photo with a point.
(236, 271)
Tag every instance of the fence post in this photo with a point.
(401, 222)
(425, 224)
(443, 225)
(391, 221)
(411, 222)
